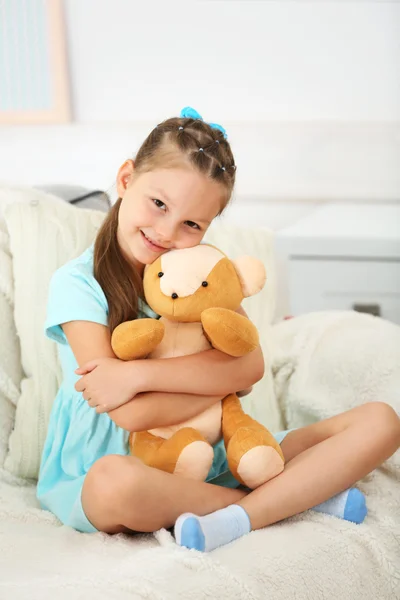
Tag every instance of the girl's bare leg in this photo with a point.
(121, 494)
(324, 459)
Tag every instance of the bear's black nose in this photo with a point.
(174, 296)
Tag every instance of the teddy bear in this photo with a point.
(197, 291)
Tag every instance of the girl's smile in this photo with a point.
(149, 243)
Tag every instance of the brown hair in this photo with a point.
(176, 142)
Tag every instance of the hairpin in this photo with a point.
(190, 113)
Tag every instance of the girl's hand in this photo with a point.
(107, 383)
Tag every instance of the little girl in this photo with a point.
(181, 179)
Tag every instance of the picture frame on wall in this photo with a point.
(34, 85)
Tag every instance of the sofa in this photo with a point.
(316, 366)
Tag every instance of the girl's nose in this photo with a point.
(165, 230)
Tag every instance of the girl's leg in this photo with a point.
(323, 459)
(121, 494)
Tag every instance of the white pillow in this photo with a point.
(10, 363)
(258, 242)
(44, 234)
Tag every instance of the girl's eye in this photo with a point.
(192, 225)
(159, 203)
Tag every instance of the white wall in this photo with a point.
(236, 60)
(308, 91)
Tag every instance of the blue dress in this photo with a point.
(77, 435)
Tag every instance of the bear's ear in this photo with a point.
(251, 273)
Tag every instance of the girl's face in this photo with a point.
(164, 209)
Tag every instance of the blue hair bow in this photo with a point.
(190, 113)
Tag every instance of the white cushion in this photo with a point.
(234, 242)
(10, 364)
(44, 234)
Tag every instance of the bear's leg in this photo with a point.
(186, 452)
(254, 456)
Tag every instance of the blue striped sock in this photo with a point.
(213, 530)
(349, 505)
(228, 524)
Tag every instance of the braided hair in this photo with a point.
(193, 141)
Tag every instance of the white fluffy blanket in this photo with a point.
(309, 557)
(327, 362)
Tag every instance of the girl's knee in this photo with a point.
(384, 419)
(105, 490)
(109, 476)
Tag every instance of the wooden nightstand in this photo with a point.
(342, 256)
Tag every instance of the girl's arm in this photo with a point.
(156, 409)
(245, 392)
(209, 373)
(146, 411)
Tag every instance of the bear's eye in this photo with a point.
(160, 274)
(204, 284)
